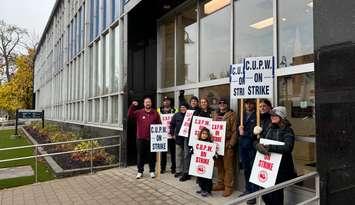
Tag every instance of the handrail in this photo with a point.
(282, 185)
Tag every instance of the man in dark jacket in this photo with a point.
(167, 109)
(247, 150)
(175, 126)
(144, 118)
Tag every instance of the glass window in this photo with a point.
(171, 96)
(115, 46)
(295, 32)
(186, 47)
(214, 93)
(97, 110)
(253, 28)
(296, 93)
(105, 110)
(90, 111)
(167, 43)
(99, 77)
(106, 63)
(92, 19)
(215, 39)
(97, 17)
(114, 100)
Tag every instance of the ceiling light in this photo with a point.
(263, 23)
(215, 5)
(283, 19)
(310, 4)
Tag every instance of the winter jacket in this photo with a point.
(265, 121)
(231, 127)
(205, 113)
(282, 134)
(246, 140)
(175, 126)
(143, 120)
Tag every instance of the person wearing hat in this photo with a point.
(279, 130)
(226, 164)
(175, 126)
(167, 109)
(246, 149)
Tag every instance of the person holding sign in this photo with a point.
(279, 130)
(167, 109)
(144, 118)
(205, 110)
(246, 149)
(226, 164)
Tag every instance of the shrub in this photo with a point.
(85, 156)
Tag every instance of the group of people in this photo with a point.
(241, 142)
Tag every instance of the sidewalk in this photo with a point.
(114, 186)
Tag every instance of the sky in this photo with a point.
(29, 14)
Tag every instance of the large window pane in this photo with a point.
(253, 28)
(186, 47)
(214, 93)
(167, 31)
(295, 32)
(114, 109)
(215, 39)
(105, 110)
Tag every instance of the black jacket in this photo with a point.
(205, 114)
(282, 134)
(265, 121)
(175, 126)
(246, 140)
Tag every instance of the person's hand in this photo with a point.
(135, 103)
(257, 130)
(241, 130)
(263, 149)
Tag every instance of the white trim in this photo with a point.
(292, 70)
(130, 5)
(221, 81)
(104, 126)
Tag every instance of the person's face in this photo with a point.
(204, 135)
(275, 119)
(147, 103)
(222, 106)
(203, 104)
(264, 108)
(194, 103)
(249, 106)
(183, 109)
(166, 103)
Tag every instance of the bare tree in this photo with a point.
(10, 38)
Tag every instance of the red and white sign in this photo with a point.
(165, 121)
(184, 130)
(265, 168)
(202, 162)
(197, 124)
(218, 131)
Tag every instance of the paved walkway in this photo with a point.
(114, 186)
(14, 172)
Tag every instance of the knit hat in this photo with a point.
(279, 111)
(184, 104)
(194, 98)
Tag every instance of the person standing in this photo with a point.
(279, 130)
(187, 154)
(144, 118)
(167, 109)
(247, 150)
(226, 164)
(205, 110)
(175, 126)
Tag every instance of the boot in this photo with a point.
(218, 187)
(227, 192)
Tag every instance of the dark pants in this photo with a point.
(274, 198)
(205, 184)
(171, 149)
(144, 155)
(247, 157)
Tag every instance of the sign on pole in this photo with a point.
(184, 130)
(218, 131)
(165, 120)
(266, 167)
(197, 124)
(202, 162)
(237, 88)
(28, 114)
(158, 138)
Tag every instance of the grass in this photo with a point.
(44, 173)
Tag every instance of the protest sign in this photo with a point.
(265, 168)
(218, 132)
(184, 130)
(197, 124)
(165, 120)
(237, 84)
(158, 138)
(201, 164)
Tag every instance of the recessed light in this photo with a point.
(263, 23)
(283, 19)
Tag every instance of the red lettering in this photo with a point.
(266, 165)
(202, 160)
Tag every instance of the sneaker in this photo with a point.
(204, 193)
(177, 174)
(185, 177)
(139, 175)
(251, 201)
(152, 175)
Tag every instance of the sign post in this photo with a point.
(28, 114)
(158, 142)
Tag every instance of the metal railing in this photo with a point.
(258, 195)
(38, 152)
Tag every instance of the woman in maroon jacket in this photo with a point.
(144, 118)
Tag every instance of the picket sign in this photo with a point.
(184, 130)
(201, 164)
(165, 120)
(158, 143)
(266, 168)
(197, 124)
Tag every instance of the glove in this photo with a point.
(263, 149)
(257, 130)
(215, 157)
